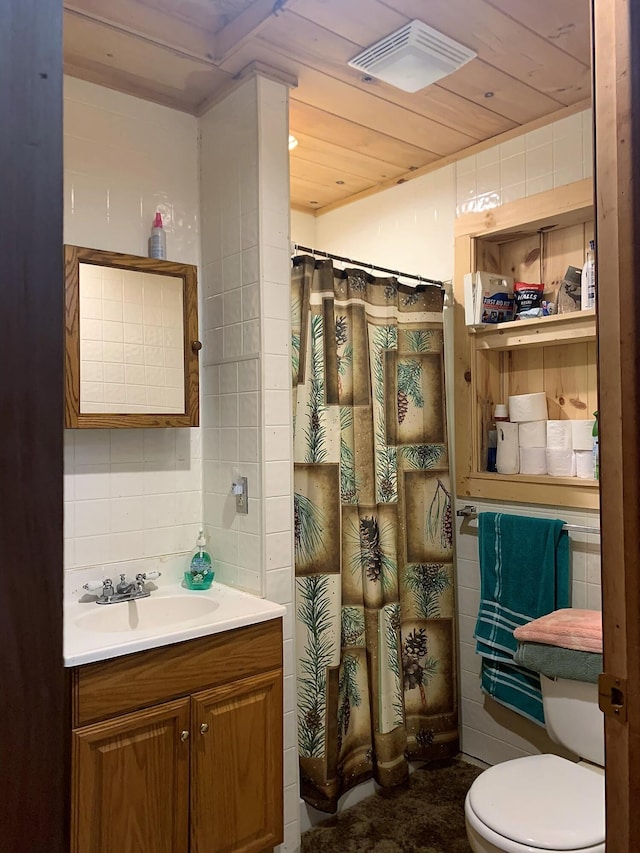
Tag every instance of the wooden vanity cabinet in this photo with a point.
(130, 775)
(179, 749)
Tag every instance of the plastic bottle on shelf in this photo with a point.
(158, 239)
(588, 279)
(500, 413)
(596, 448)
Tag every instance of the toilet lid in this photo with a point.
(544, 801)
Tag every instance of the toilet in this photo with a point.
(544, 803)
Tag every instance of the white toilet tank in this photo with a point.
(573, 718)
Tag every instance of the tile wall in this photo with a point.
(129, 494)
(554, 155)
(247, 375)
(410, 227)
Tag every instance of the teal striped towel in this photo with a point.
(524, 574)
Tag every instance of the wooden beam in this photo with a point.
(36, 723)
(136, 19)
(617, 149)
(246, 25)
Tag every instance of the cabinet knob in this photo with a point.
(196, 346)
(184, 736)
(204, 728)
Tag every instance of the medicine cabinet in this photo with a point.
(131, 341)
(534, 240)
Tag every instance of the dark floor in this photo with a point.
(425, 816)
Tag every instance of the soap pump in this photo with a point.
(200, 574)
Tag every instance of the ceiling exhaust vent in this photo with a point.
(413, 57)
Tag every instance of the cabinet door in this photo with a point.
(236, 777)
(130, 790)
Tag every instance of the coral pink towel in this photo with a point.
(569, 628)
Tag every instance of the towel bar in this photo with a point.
(468, 511)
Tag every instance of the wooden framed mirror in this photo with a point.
(131, 341)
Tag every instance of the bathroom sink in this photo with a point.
(145, 614)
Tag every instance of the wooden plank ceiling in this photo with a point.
(355, 134)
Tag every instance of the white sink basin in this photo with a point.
(145, 614)
(95, 632)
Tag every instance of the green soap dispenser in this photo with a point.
(200, 574)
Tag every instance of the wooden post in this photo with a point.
(34, 726)
(617, 145)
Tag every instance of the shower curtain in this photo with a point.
(376, 673)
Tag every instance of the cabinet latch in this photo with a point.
(612, 696)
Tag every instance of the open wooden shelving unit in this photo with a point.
(533, 239)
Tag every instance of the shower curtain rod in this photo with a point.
(333, 257)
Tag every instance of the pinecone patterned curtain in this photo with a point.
(376, 668)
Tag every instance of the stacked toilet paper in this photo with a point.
(554, 447)
(561, 461)
(529, 412)
(582, 439)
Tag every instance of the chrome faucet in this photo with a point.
(125, 590)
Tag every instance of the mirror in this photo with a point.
(131, 341)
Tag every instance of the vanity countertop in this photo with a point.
(171, 614)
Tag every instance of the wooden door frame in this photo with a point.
(34, 730)
(34, 782)
(616, 26)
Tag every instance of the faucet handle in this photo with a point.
(148, 576)
(105, 587)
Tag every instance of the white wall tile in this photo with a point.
(512, 170)
(279, 553)
(112, 190)
(277, 408)
(251, 337)
(243, 152)
(539, 162)
(277, 479)
(277, 301)
(92, 517)
(488, 178)
(277, 372)
(278, 514)
(277, 444)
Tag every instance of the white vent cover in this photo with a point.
(413, 57)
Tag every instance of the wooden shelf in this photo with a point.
(541, 479)
(577, 326)
(534, 239)
(525, 488)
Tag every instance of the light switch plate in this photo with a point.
(242, 496)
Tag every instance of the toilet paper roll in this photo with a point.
(559, 435)
(532, 434)
(584, 464)
(507, 454)
(561, 463)
(581, 433)
(533, 460)
(528, 407)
